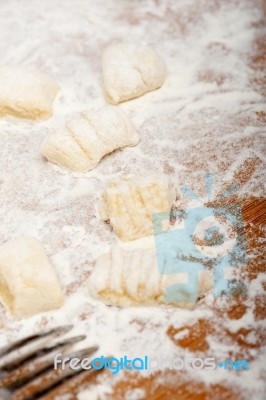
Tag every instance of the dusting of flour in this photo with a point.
(205, 118)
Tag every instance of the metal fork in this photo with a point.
(27, 366)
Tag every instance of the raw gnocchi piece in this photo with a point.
(28, 282)
(126, 277)
(88, 138)
(131, 70)
(129, 203)
(26, 93)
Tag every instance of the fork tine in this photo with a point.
(71, 386)
(34, 366)
(27, 371)
(51, 378)
(60, 330)
(10, 364)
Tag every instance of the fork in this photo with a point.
(27, 366)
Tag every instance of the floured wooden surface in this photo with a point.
(209, 116)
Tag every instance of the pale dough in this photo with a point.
(26, 93)
(130, 278)
(131, 70)
(28, 282)
(85, 140)
(129, 203)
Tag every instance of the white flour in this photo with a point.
(203, 119)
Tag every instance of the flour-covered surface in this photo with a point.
(209, 116)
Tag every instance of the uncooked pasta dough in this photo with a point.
(131, 70)
(28, 282)
(26, 93)
(130, 202)
(131, 277)
(85, 140)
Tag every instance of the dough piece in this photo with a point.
(88, 138)
(26, 93)
(130, 278)
(28, 283)
(130, 202)
(130, 70)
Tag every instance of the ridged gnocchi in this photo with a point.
(131, 70)
(129, 203)
(87, 139)
(130, 277)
